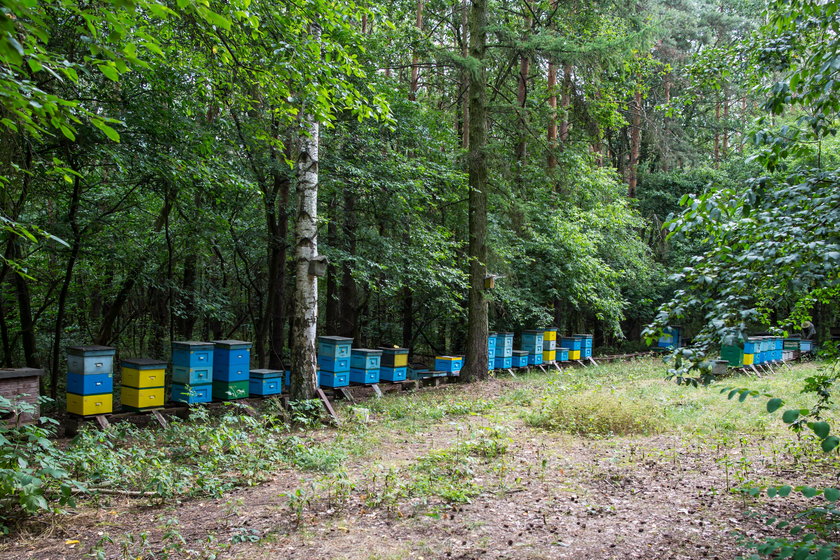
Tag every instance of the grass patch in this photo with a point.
(597, 413)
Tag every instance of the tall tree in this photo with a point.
(477, 330)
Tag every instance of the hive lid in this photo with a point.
(233, 343)
(505, 334)
(11, 373)
(92, 350)
(334, 339)
(583, 335)
(266, 373)
(534, 331)
(366, 351)
(192, 344)
(551, 328)
(386, 350)
(520, 352)
(142, 362)
(447, 357)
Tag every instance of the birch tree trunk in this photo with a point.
(304, 379)
(476, 366)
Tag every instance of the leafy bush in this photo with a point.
(33, 471)
(596, 413)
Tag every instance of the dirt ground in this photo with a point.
(550, 496)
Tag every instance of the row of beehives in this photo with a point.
(538, 347)
(757, 350)
(220, 370)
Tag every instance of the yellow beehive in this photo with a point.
(748, 359)
(142, 398)
(549, 355)
(89, 405)
(574, 354)
(550, 334)
(143, 378)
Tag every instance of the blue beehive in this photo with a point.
(191, 394)
(504, 345)
(364, 376)
(562, 354)
(532, 341)
(334, 365)
(806, 345)
(491, 350)
(364, 358)
(535, 359)
(334, 346)
(192, 354)
(449, 364)
(520, 358)
(586, 340)
(231, 360)
(572, 343)
(266, 382)
(504, 362)
(393, 374)
(91, 384)
(586, 353)
(192, 376)
(671, 338)
(334, 379)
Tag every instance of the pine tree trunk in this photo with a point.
(476, 366)
(566, 102)
(304, 373)
(415, 60)
(521, 99)
(552, 115)
(635, 144)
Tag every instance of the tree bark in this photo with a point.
(65, 285)
(566, 102)
(552, 115)
(476, 366)
(348, 301)
(521, 100)
(465, 76)
(304, 371)
(415, 60)
(635, 143)
(277, 269)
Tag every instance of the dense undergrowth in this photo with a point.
(208, 455)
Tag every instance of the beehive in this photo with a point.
(334, 361)
(394, 357)
(192, 372)
(143, 383)
(231, 361)
(266, 382)
(520, 358)
(449, 364)
(364, 366)
(90, 380)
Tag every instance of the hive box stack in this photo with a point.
(562, 354)
(520, 358)
(394, 364)
(671, 338)
(504, 351)
(779, 349)
(364, 366)
(192, 372)
(334, 361)
(745, 353)
(573, 344)
(491, 350)
(585, 345)
(143, 383)
(532, 342)
(550, 345)
(265, 382)
(791, 347)
(90, 380)
(231, 369)
(452, 365)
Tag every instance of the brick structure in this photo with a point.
(21, 385)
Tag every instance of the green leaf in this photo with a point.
(830, 443)
(784, 491)
(820, 428)
(774, 404)
(109, 71)
(109, 132)
(809, 492)
(831, 494)
(790, 416)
